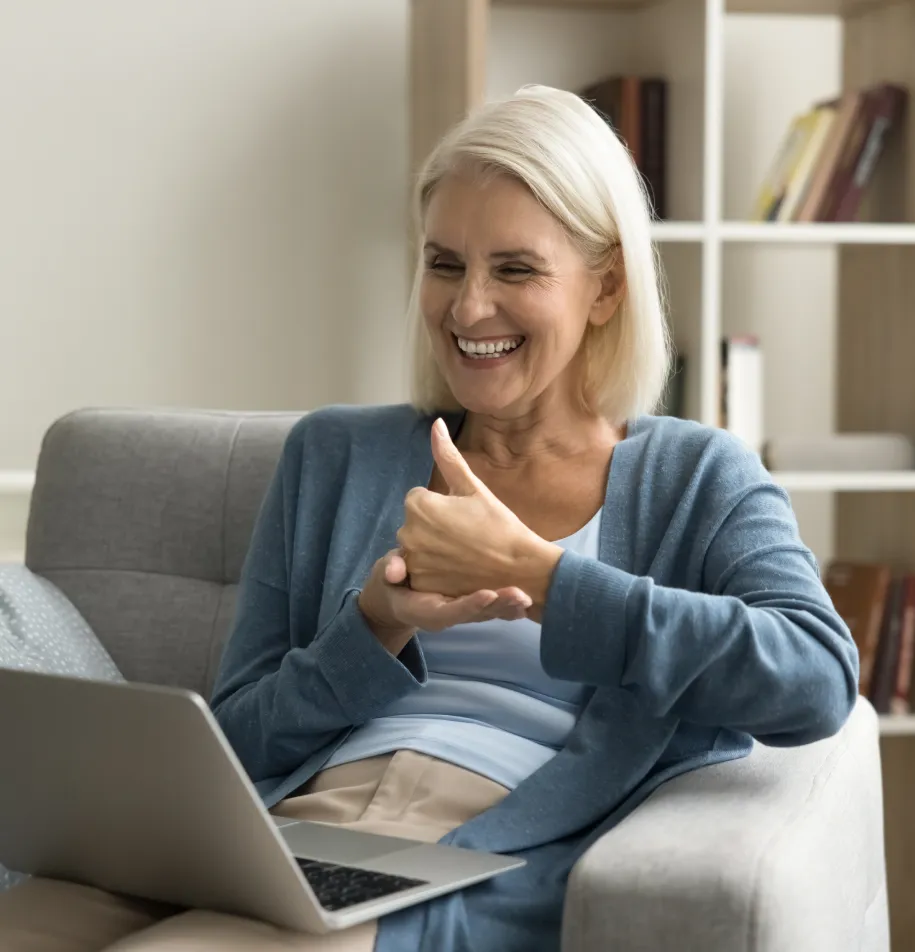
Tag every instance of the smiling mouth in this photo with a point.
(488, 351)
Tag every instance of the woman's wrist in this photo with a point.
(538, 567)
(394, 638)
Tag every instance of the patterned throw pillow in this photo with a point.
(40, 630)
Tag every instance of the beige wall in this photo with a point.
(203, 203)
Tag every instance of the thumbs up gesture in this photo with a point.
(469, 540)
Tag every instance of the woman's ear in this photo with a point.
(612, 289)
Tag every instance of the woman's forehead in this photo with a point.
(498, 210)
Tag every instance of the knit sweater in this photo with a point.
(702, 625)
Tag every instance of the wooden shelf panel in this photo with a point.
(888, 482)
(817, 234)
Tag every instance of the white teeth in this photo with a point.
(481, 350)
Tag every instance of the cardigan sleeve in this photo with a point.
(759, 649)
(279, 702)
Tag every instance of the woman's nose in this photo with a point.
(474, 302)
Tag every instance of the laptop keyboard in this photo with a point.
(338, 887)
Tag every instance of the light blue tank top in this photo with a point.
(488, 705)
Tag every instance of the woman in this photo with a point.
(505, 629)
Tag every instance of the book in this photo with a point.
(885, 105)
(636, 109)
(900, 701)
(859, 592)
(654, 143)
(873, 101)
(820, 122)
(887, 656)
(772, 192)
(741, 407)
(813, 201)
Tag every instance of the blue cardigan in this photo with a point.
(703, 625)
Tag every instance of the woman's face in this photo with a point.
(505, 295)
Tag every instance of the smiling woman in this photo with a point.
(502, 615)
(546, 243)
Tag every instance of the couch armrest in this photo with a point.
(782, 850)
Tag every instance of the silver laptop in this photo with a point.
(134, 789)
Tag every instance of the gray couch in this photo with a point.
(143, 518)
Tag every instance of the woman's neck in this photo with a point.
(535, 437)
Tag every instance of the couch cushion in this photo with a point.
(143, 518)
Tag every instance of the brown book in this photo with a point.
(832, 152)
(852, 148)
(884, 676)
(885, 106)
(654, 143)
(900, 703)
(859, 591)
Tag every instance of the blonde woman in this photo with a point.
(502, 615)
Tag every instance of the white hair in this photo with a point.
(574, 164)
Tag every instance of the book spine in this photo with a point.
(870, 638)
(654, 141)
(832, 152)
(888, 650)
(888, 102)
(848, 161)
(899, 703)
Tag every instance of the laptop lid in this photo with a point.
(133, 788)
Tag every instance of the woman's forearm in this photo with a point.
(278, 704)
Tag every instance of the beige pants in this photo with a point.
(404, 794)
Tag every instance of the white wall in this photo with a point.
(204, 204)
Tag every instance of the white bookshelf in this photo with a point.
(846, 292)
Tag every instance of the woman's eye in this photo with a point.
(516, 271)
(444, 267)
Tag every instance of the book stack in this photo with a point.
(741, 393)
(828, 155)
(636, 108)
(879, 609)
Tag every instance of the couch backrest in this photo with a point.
(143, 519)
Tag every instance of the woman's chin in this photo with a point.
(482, 403)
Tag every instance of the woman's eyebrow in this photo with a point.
(529, 253)
(519, 253)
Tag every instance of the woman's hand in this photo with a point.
(470, 541)
(394, 612)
